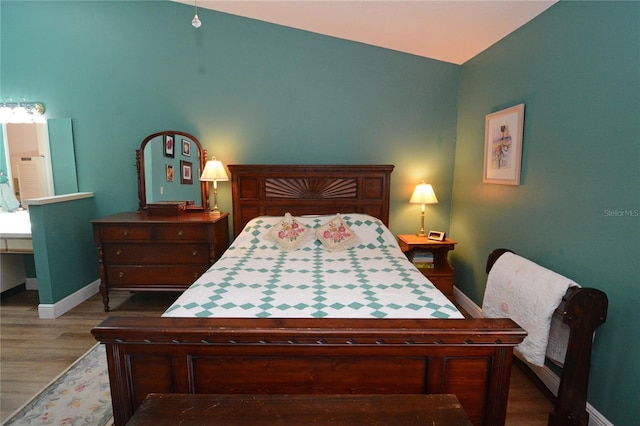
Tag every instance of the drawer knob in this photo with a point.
(195, 253)
(195, 275)
(125, 232)
(120, 274)
(118, 253)
(180, 233)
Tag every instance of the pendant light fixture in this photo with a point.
(196, 21)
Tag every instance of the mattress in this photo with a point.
(257, 278)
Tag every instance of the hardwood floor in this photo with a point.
(33, 351)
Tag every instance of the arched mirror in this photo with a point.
(169, 164)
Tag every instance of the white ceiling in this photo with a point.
(448, 30)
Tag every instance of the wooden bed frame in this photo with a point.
(470, 358)
(583, 310)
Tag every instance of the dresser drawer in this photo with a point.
(125, 232)
(152, 275)
(160, 254)
(181, 232)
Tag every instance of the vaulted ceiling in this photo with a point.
(447, 30)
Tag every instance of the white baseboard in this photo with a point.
(52, 311)
(545, 374)
(31, 283)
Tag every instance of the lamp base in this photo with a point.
(422, 233)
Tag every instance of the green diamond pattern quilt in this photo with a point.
(258, 278)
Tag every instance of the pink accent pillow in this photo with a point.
(335, 235)
(289, 234)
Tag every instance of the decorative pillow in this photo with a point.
(289, 234)
(336, 235)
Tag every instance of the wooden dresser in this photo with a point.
(138, 252)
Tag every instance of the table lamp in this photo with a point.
(423, 194)
(214, 172)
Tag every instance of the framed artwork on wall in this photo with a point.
(503, 146)
(186, 148)
(169, 173)
(169, 146)
(185, 172)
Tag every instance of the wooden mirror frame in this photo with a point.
(142, 192)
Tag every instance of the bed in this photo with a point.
(329, 350)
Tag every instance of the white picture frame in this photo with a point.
(436, 235)
(503, 146)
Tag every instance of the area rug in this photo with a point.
(78, 396)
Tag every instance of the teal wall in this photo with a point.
(577, 70)
(65, 256)
(251, 92)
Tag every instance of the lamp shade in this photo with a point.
(214, 172)
(423, 194)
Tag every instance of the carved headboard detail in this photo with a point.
(273, 190)
(310, 188)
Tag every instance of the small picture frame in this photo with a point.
(436, 236)
(503, 146)
(186, 148)
(186, 176)
(169, 146)
(169, 173)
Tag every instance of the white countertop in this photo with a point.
(15, 225)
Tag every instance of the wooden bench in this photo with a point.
(229, 410)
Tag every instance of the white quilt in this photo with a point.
(256, 278)
(528, 294)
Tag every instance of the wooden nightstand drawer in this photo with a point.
(162, 254)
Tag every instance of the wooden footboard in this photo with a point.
(469, 357)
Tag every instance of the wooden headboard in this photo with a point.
(275, 189)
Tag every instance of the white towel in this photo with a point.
(528, 294)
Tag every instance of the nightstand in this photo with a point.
(442, 273)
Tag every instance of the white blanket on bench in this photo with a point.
(528, 294)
